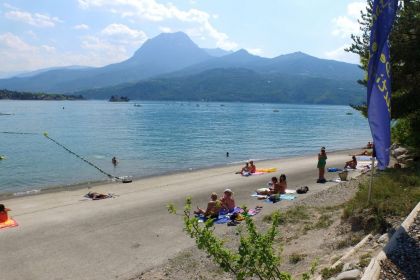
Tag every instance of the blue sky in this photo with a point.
(46, 33)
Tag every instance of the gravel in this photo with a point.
(404, 262)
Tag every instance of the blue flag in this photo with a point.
(379, 79)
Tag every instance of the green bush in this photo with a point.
(395, 192)
(255, 256)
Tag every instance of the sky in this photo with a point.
(48, 33)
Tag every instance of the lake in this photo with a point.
(158, 137)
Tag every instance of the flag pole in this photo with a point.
(371, 179)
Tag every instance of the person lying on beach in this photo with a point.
(97, 196)
(3, 213)
(364, 153)
(351, 164)
(213, 208)
(228, 203)
(252, 167)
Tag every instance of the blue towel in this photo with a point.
(334, 169)
(287, 197)
(282, 197)
(363, 158)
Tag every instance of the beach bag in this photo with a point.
(274, 198)
(302, 190)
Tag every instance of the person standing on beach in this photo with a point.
(322, 161)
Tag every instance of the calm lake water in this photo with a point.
(159, 137)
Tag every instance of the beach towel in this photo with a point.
(363, 158)
(260, 190)
(225, 217)
(266, 198)
(8, 224)
(282, 197)
(334, 169)
(267, 170)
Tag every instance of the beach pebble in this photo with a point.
(399, 151)
(347, 266)
(349, 275)
(383, 239)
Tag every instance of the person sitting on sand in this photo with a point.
(244, 170)
(369, 145)
(213, 208)
(97, 196)
(227, 200)
(351, 164)
(274, 187)
(252, 167)
(282, 185)
(3, 213)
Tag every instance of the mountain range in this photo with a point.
(171, 66)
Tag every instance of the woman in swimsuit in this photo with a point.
(322, 161)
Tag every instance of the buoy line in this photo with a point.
(125, 179)
(82, 158)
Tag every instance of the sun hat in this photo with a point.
(228, 191)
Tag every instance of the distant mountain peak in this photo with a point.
(166, 42)
(172, 35)
(242, 52)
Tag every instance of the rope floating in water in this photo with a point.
(23, 133)
(82, 158)
(125, 179)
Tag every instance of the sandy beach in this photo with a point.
(62, 235)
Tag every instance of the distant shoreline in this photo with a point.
(16, 95)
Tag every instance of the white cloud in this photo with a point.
(341, 55)
(165, 29)
(117, 29)
(32, 34)
(8, 6)
(255, 51)
(345, 25)
(354, 8)
(153, 11)
(11, 41)
(18, 55)
(98, 44)
(47, 48)
(81, 27)
(35, 19)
